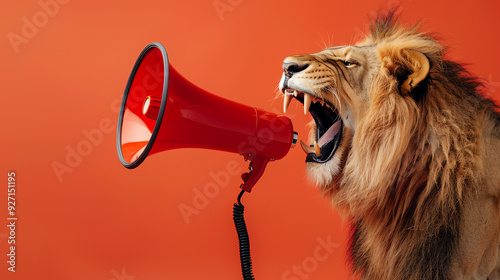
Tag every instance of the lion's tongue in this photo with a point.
(329, 134)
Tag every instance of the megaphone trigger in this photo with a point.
(256, 167)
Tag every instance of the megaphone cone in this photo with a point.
(161, 110)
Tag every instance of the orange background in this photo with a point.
(99, 220)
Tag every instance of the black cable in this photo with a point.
(241, 228)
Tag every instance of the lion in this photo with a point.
(407, 148)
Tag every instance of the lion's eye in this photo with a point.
(350, 63)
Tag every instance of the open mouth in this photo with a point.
(328, 125)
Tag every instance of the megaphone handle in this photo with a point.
(257, 166)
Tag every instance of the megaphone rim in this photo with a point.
(152, 139)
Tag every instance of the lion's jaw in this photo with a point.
(333, 85)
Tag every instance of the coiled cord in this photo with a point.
(241, 228)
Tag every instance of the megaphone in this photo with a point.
(161, 110)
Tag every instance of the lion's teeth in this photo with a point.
(317, 149)
(307, 102)
(295, 93)
(310, 150)
(306, 148)
(286, 102)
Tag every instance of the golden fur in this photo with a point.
(418, 168)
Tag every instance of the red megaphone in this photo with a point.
(161, 110)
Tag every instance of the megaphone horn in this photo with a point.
(161, 110)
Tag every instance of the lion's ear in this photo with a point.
(419, 68)
(408, 67)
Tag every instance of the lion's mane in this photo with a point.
(414, 161)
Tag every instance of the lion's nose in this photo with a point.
(291, 68)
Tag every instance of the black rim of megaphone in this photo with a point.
(152, 139)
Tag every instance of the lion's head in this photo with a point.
(364, 100)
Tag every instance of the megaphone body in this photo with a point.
(161, 110)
